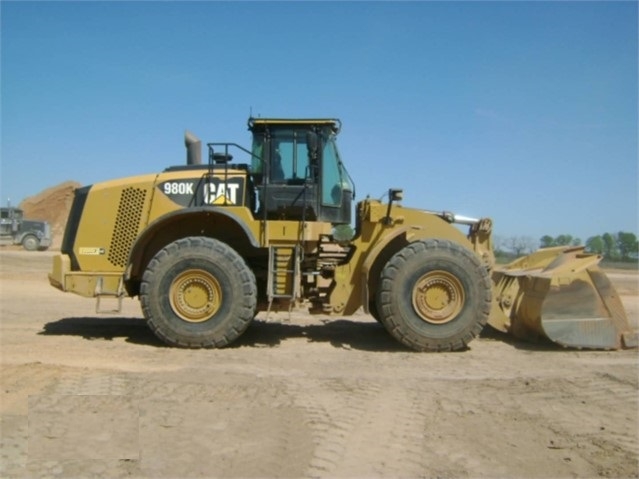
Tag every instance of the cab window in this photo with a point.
(288, 156)
(334, 177)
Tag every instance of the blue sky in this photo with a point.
(522, 111)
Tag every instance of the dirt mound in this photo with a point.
(52, 205)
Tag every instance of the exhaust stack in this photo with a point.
(193, 149)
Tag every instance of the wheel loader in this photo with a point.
(206, 246)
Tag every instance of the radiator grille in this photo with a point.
(127, 224)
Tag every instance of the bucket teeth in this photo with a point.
(560, 294)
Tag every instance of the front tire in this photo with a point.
(198, 292)
(434, 295)
(30, 243)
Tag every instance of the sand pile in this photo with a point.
(52, 205)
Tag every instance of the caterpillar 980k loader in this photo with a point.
(208, 246)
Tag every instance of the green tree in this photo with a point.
(563, 240)
(546, 241)
(595, 244)
(610, 246)
(627, 245)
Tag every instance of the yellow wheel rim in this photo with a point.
(438, 297)
(195, 295)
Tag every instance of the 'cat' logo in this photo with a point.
(220, 194)
(207, 190)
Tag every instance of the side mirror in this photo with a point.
(395, 194)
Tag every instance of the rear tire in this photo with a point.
(198, 292)
(30, 243)
(434, 295)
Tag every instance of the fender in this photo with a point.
(147, 244)
(412, 232)
(374, 253)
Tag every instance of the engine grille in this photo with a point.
(126, 226)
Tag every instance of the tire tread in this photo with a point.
(396, 325)
(238, 324)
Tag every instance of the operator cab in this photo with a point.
(10, 219)
(298, 172)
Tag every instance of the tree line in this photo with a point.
(621, 246)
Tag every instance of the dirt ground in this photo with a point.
(88, 395)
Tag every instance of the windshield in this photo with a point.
(335, 178)
(11, 213)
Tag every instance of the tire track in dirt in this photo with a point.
(246, 427)
(14, 439)
(364, 428)
(227, 439)
(562, 411)
(574, 398)
(95, 384)
(14, 423)
(156, 426)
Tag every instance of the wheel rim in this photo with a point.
(30, 243)
(195, 296)
(438, 297)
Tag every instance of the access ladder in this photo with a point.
(283, 274)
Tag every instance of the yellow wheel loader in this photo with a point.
(208, 245)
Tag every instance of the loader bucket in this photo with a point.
(560, 294)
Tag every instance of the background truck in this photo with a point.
(208, 246)
(31, 234)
